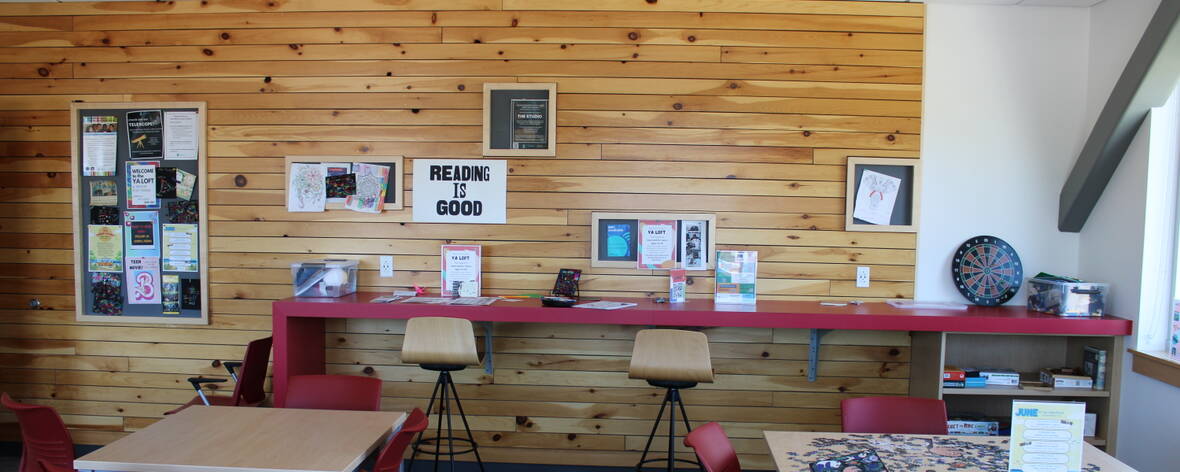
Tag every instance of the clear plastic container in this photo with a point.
(1065, 298)
(324, 277)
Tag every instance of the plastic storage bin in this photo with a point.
(1067, 298)
(324, 277)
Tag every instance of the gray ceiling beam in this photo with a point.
(1149, 78)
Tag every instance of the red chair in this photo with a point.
(713, 448)
(334, 392)
(899, 415)
(390, 459)
(248, 390)
(44, 438)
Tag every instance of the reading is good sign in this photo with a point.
(460, 191)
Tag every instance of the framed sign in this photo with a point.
(520, 119)
(618, 240)
(883, 194)
(139, 212)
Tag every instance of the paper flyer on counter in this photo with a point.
(461, 270)
(657, 244)
(99, 145)
(180, 135)
(1046, 436)
(736, 277)
(143, 280)
(875, 197)
(145, 134)
(180, 248)
(142, 233)
(141, 185)
(104, 251)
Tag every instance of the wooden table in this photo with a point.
(794, 451)
(240, 439)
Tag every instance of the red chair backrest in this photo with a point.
(713, 448)
(391, 455)
(252, 378)
(43, 436)
(899, 415)
(334, 392)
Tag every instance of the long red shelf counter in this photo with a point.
(299, 322)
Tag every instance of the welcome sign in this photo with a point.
(460, 191)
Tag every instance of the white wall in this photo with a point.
(1003, 122)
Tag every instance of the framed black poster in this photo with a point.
(883, 194)
(520, 119)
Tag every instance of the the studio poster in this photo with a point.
(145, 134)
(530, 123)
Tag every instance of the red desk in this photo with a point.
(299, 322)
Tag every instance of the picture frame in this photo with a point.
(623, 229)
(394, 196)
(182, 289)
(891, 198)
(534, 133)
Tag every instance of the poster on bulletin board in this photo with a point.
(139, 198)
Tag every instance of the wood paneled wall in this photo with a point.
(746, 109)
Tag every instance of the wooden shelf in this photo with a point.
(1020, 392)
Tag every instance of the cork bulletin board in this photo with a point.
(139, 212)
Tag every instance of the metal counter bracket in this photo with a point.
(487, 347)
(813, 352)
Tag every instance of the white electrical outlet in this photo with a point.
(387, 266)
(862, 277)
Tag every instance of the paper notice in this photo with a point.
(143, 280)
(104, 248)
(180, 248)
(141, 185)
(180, 135)
(657, 244)
(145, 134)
(99, 144)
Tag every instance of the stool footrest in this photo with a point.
(664, 460)
(437, 444)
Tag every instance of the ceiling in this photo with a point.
(1041, 3)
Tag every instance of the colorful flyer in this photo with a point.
(99, 145)
(145, 134)
(141, 185)
(337, 193)
(104, 193)
(657, 244)
(143, 280)
(306, 190)
(185, 182)
(618, 240)
(104, 248)
(106, 290)
(692, 244)
(190, 294)
(677, 285)
(371, 183)
(180, 248)
(180, 135)
(142, 234)
(736, 277)
(170, 294)
(461, 270)
(1046, 436)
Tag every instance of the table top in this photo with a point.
(241, 439)
(794, 451)
(703, 312)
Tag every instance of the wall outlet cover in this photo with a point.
(862, 277)
(387, 266)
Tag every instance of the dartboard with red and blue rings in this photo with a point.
(986, 270)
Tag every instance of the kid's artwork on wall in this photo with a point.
(368, 184)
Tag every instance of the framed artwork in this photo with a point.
(617, 240)
(883, 194)
(318, 183)
(139, 199)
(520, 119)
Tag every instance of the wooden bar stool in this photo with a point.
(443, 345)
(672, 359)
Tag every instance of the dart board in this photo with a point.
(987, 270)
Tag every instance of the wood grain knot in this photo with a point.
(240, 180)
(633, 36)
(43, 72)
(368, 370)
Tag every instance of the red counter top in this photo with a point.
(704, 313)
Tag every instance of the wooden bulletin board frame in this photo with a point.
(906, 207)
(201, 191)
(497, 122)
(396, 176)
(596, 219)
